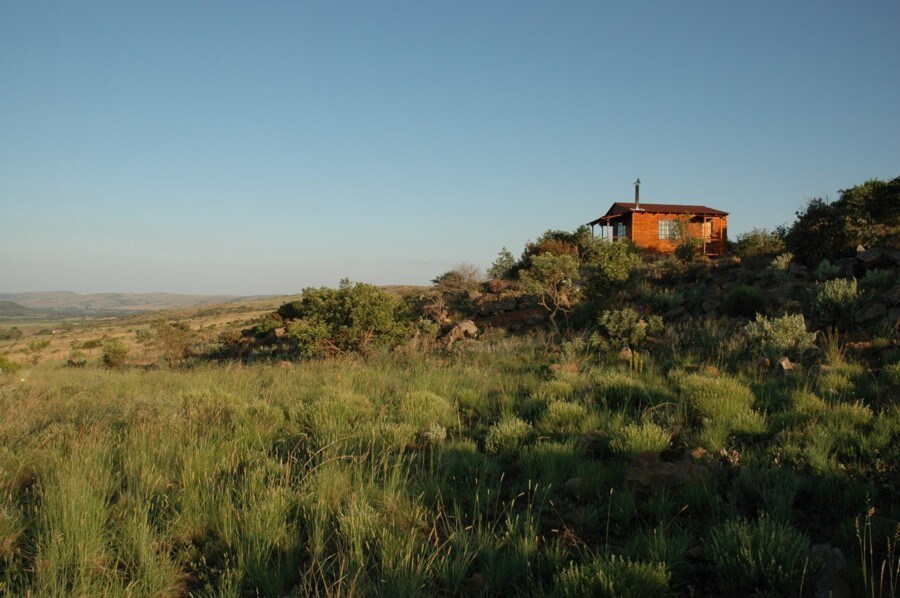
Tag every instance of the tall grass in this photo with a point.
(472, 473)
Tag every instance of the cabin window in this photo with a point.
(620, 230)
(669, 229)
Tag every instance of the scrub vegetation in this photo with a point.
(587, 422)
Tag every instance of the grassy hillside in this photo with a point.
(509, 465)
(8, 309)
(588, 422)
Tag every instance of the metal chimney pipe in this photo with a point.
(637, 194)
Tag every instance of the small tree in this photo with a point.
(609, 267)
(36, 348)
(172, 339)
(115, 352)
(504, 266)
(351, 318)
(553, 278)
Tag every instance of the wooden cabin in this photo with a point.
(659, 228)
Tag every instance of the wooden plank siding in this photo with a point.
(643, 229)
(641, 226)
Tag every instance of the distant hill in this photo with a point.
(8, 309)
(67, 301)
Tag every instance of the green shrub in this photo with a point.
(836, 302)
(891, 373)
(688, 249)
(724, 404)
(866, 214)
(608, 266)
(778, 337)
(353, 317)
(508, 436)
(562, 417)
(504, 266)
(311, 336)
(8, 366)
(553, 278)
(267, 324)
(625, 328)
(664, 545)
(115, 352)
(639, 438)
(777, 270)
(660, 299)
(613, 576)
(763, 557)
(423, 409)
(826, 271)
(877, 280)
(744, 301)
(758, 241)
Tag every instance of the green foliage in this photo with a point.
(759, 242)
(608, 267)
(777, 270)
(613, 577)
(660, 299)
(782, 336)
(504, 266)
(412, 474)
(7, 366)
(38, 346)
(554, 279)
(115, 352)
(665, 545)
(558, 242)
(625, 327)
(867, 214)
(424, 409)
(744, 301)
(354, 317)
(457, 288)
(312, 337)
(716, 397)
(638, 438)
(836, 302)
(462, 278)
(878, 280)
(508, 436)
(563, 417)
(826, 270)
(688, 249)
(172, 339)
(762, 558)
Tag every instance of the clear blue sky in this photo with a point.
(261, 147)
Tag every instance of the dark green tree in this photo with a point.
(867, 214)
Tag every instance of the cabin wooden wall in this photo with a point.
(644, 231)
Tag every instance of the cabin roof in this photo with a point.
(624, 207)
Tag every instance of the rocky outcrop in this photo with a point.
(462, 330)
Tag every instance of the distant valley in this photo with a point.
(56, 304)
